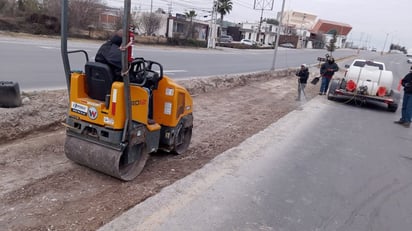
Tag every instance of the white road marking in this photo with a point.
(44, 47)
(172, 72)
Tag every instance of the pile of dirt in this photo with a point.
(40, 189)
(8, 24)
(40, 111)
(46, 110)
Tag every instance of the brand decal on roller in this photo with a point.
(92, 113)
(79, 108)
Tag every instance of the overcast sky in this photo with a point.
(372, 21)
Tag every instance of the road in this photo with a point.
(35, 63)
(327, 166)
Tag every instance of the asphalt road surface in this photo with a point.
(35, 63)
(328, 166)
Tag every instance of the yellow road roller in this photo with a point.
(113, 126)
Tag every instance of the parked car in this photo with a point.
(225, 39)
(374, 49)
(248, 42)
(287, 45)
(409, 60)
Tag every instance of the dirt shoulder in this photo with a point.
(40, 189)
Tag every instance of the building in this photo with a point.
(313, 32)
(180, 26)
(300, 22)
(267, 32)
(109, 18)
(302, 29)
(295, 23)
(325, 30)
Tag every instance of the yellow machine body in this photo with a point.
(170, 103)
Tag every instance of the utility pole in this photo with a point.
(277, 37)
(262, 5)
(170, 7)
(384, 44)
(260, 26)
(301, 31)
(360, 42)
(211, 41)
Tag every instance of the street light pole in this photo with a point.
(277, 37)
(301, 31)
(211, 42)
(384, 44)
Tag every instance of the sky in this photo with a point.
(373, 22)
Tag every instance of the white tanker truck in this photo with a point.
(366, 81)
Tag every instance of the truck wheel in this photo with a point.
(396, 96)
(334, 84)
(392, 107)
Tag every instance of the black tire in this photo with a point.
(334, 84)
(392, 107)
(182, 139)
(396, 96)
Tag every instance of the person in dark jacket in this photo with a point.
(327, 70)
(303, 74)
(110, 53)
(405, 119)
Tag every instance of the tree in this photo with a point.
(28, 6)
(191, 14)
(271, 21)
(84, 13)
(223, 7)
(149, 22)
(52, 8)
(160, 11)
(7, 7)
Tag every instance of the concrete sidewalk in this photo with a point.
(149, 214)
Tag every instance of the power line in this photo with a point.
(262, 5)
(244, 4)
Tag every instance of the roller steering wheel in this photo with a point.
(138, 72)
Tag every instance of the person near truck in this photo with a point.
(406, 83)
(327, 70)
(303, 75)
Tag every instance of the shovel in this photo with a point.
(315, 80)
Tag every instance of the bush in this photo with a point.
(242, 46)
(186, 42)
(8, 25)
(51, 24)
(151, 40)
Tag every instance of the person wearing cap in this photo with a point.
(406, 83)
(327, 70)
(110, 53)
(303, 75)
